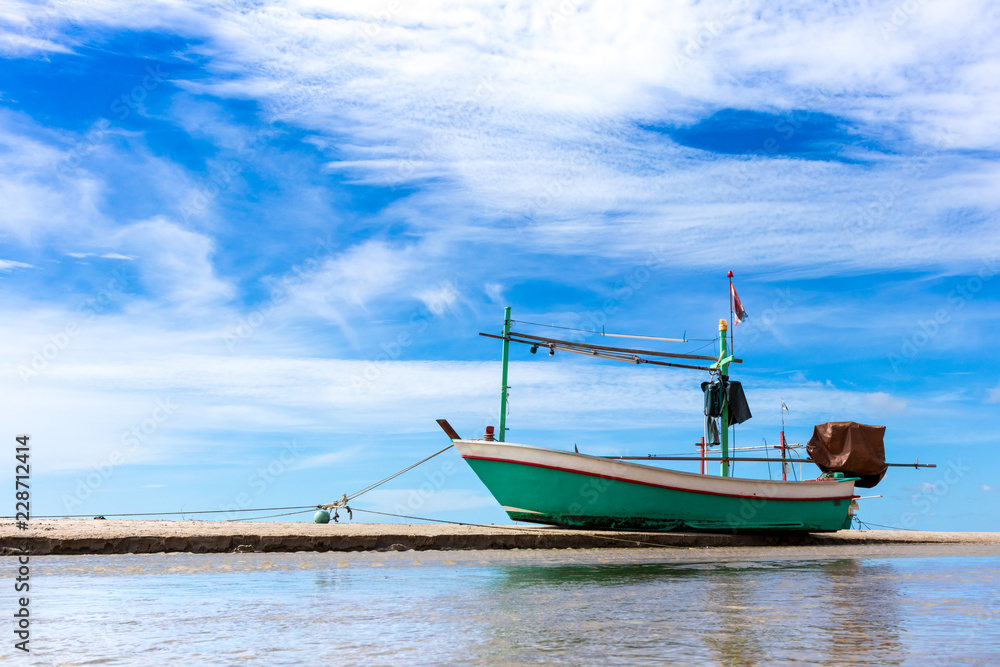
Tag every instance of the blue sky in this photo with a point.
(246, 249)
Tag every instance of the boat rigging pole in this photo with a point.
(616, 353)
(723, 365)
(757, 459)
(783, 447)
(502, 436)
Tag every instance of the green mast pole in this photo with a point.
(502, 436)
(724, 371)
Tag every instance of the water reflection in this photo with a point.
(731, 613)
(732, 607)
(865, 614)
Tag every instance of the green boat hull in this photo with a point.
(545, 495)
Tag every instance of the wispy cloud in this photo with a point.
(8, 265)
(553, 153)
(325, 460)
(14, 45)
(178, 265)
(923, 487)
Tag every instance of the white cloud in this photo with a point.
(922, 488)
(817, 401)
(8, 265)
(107, 255)
(42, 194)
(440, 298)
(521, 128)
(325, 460)
(494, 292)
(177, 264)
(988, 488)
(107, 378)
(882, 403)
(354, 281)
(544, 122)
(13, 45)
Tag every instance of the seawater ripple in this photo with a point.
(919, 605)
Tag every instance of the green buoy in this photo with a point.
(321, 516)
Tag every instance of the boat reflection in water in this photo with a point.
(733, 613)
(721, 606)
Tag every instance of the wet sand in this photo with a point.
(90, 536)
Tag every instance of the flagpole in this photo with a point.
(725, 409)
(732, 321)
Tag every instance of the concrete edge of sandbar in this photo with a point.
(85, 537)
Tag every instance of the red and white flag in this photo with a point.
(739, 314)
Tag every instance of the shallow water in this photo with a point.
(741, 606)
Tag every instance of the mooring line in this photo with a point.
(232, 511)
(271, 516)
(394, 475)
(342, 503)
(302, 509)
(869, 523)
(525, 529)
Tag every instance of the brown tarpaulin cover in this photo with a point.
(851, 448)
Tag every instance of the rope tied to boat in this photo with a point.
(344, 499)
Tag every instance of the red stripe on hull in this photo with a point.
(661, 486)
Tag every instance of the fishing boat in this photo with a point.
(562, 488)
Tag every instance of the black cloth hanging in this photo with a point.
(739, 410)
(725, 391)
(713, 398)
(712, 427)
